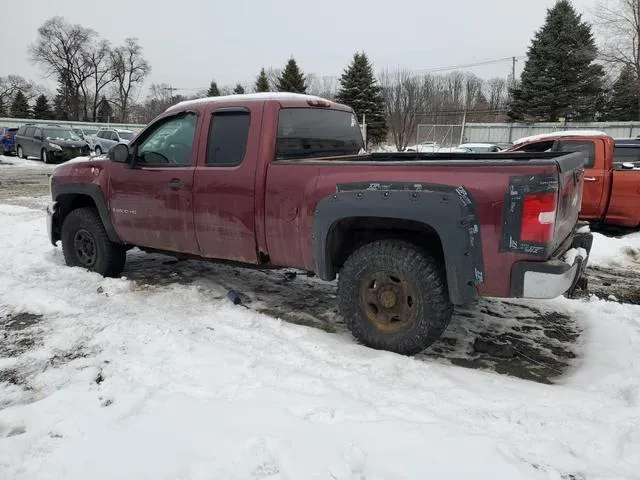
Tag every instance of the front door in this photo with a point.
(151, 204)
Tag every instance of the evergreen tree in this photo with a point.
(105, 111)
(3, 109)
(262, 82)
(239, 90)
(560, 78)
(213, 90)
(292, 80)
(42, 109)
(65, 99)
(360, 90)
(20, 106)
(624, 103)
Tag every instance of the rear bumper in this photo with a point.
(546, 280)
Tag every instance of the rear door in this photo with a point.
(596, 178)
(35, 142)
(28, 141)
(225, 183)
(151, 204)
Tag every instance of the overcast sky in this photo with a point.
(189, 42)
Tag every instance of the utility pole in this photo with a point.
(513, 71)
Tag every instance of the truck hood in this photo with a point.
(79, 163)
(68, 143)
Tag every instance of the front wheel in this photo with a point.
(44, 156)
(393, 296)
(98, 150)
(85, 244)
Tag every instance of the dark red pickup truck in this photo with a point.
(283, 180)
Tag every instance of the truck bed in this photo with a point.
(492, 182)
(447, 159)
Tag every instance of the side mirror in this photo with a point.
(119, 153)
(628, 166)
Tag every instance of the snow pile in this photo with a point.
(615, 252)
(25, 163)
(127, 381)
(573, 253)
(561, 133)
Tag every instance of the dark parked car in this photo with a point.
(8, 140)
(51, 143)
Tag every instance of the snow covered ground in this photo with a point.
(157, 375)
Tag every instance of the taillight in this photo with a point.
(538, 217)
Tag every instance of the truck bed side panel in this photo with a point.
(486, 185)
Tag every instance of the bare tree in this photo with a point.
(619, 22)
(405, 97)
(273, 75)
(11, 84)
(496, 93)
(129, 69)
(322, 86)
(61, 50)
(98, 61)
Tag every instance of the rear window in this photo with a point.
(315, 133)
(586, 147)
(29, 131)
(125, 135)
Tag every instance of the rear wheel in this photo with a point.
(394, 296)
(19, 152)
(85, 244)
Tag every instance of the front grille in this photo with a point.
(72, 152)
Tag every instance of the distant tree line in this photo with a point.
(566, 76)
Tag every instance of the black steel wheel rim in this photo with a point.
(85, 247)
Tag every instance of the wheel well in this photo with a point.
(70, 202)
(349, 234)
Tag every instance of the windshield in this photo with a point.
(60, 134)
(125, 135)
(317, 133)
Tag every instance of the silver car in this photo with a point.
(108, 137)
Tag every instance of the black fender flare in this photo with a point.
(92, 191)
(449, 210)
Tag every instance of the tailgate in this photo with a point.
(541, 211)
(570, 185)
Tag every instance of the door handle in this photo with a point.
(175, 184)
(590, 179)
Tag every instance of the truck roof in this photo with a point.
(563, 133)
(250, 97)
